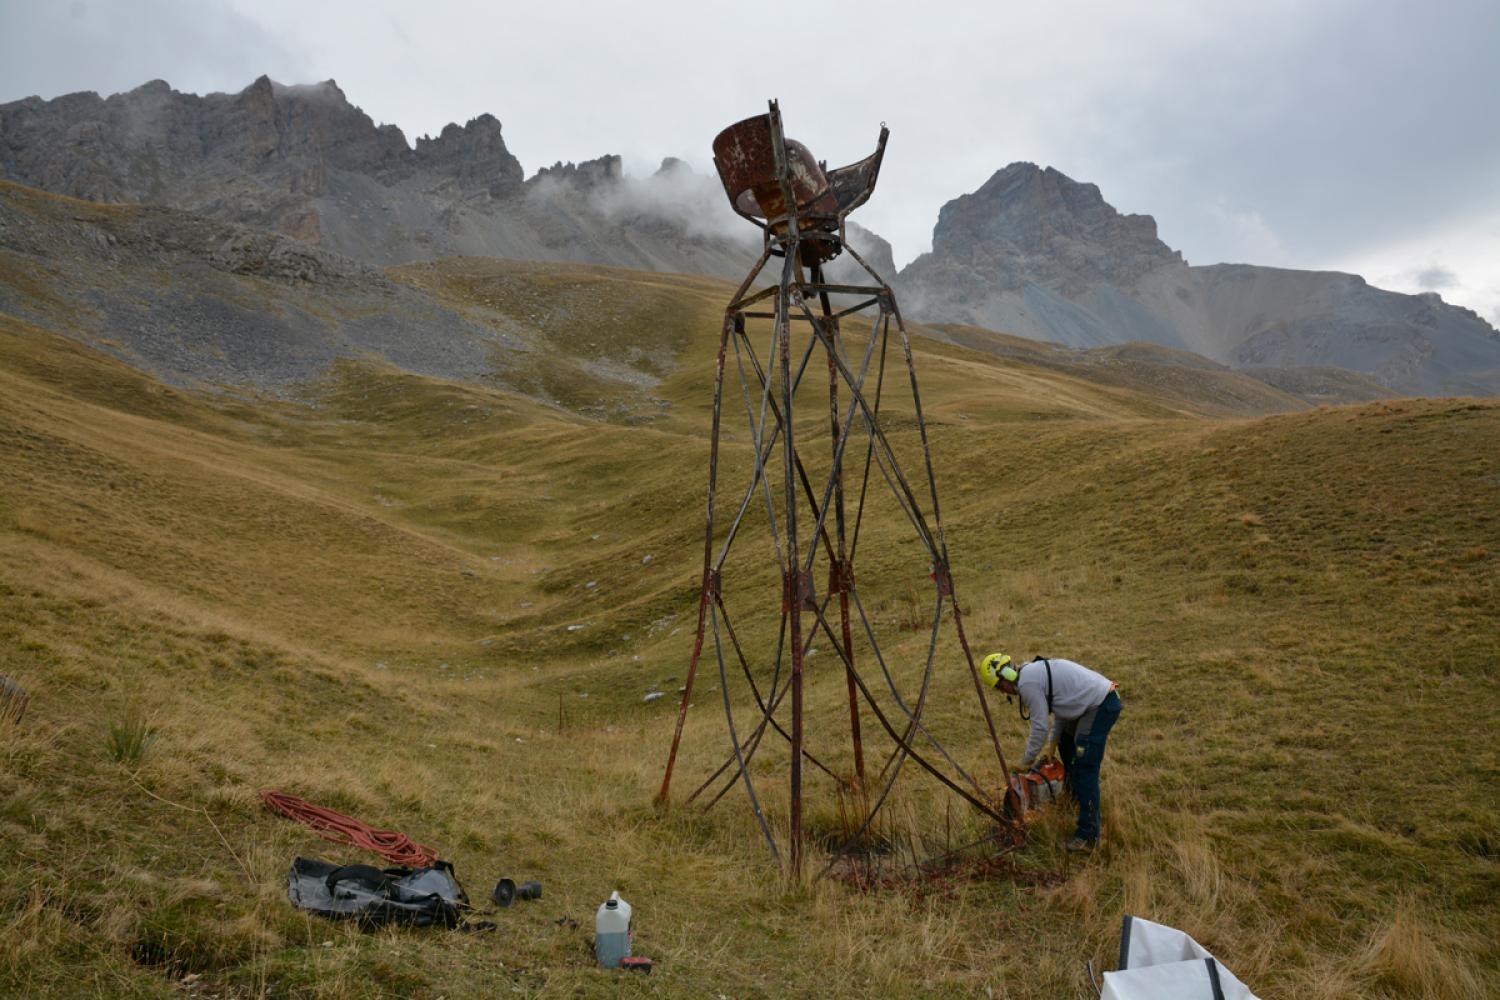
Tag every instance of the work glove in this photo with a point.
(1048, 752)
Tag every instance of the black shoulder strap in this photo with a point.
(372, 878)
(1021, 704)
(1213, 979)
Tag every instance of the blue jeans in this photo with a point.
(1081, 756)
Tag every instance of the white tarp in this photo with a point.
(1158, 962)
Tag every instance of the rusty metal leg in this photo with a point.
(802, 476)
(984, 701)
(709, 575)
(840, 574)
(890, 681)
(779, 696)
(988, 808)
(778, 692)
(943, 571)
(789, 445)
(760, 701)
(878, 331)
(886, 460)
(898, 756)
(904, 496)
(848, 636)
(744, 770)
(764, 445)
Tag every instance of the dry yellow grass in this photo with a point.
(366, 604)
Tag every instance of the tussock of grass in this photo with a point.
(13, 701)
(130, 737)
(1405, 958)
(367, 603)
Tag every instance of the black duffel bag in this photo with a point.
(421, 896)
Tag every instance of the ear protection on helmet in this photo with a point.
(997, 666)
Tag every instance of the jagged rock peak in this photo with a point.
(485, 124)
(478, 135)
(604, 170)
(672, 165)
(473, 154)
(1024, 211)
(311, 123)
(1029, 188)
(153, 87)
(326, 90)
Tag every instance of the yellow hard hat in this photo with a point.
(997, 666)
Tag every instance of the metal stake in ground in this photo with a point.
(801, 206)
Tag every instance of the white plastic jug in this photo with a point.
(612, 931)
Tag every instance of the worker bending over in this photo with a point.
(1083, 705)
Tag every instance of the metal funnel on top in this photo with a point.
(777, 184)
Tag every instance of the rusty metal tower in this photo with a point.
(801, 207)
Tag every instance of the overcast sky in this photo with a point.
(1359, 135)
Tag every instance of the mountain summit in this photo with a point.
(1026, 219)
(1035, 253)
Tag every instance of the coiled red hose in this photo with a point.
(397, 848)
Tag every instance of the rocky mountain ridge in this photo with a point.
(1031, 252)
(1035, 253)
(257, 157)
(305, 162)
(203, 304)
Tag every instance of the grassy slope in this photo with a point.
(366, 603)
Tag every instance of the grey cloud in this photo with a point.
(1344, 128)
(48, 49)
(680, 194)
(1434, 278)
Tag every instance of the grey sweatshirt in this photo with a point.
(1075, 690)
